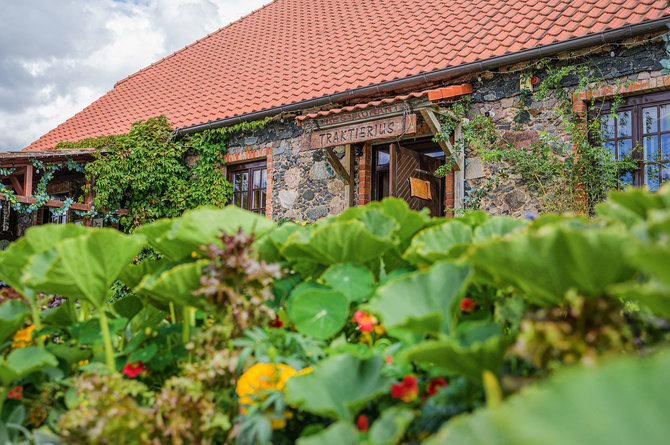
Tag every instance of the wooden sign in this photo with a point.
(369, 131)
(365, 114)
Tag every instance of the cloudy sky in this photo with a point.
(58, 56)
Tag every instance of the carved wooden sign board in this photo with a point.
(362, 132)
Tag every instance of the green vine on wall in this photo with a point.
(569, 173)
(153, 175)
(40, 194)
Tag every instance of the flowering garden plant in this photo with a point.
(378, 326)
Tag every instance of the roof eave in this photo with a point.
(422, 79)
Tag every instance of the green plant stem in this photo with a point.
(37, 321)
(107, 340)
(186, 325)
(173, 315)
(492, 389)
(3, 396)
(84, 311)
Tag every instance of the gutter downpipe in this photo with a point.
(438, 75)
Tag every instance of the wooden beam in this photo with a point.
(349, 157)
(435, 126)
(28, 181)
(56, 203)
(459, 175)
(17, 186)
(337, 165)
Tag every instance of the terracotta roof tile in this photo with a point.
(294, 50)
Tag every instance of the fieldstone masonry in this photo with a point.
(306, 187)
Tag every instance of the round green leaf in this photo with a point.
(356, 282)
(317, 310)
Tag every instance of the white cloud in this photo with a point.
(58, 56)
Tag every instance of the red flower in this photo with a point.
(276, 322)
(468, 305)
(435, 385)
(362, 423)
(366, 322)
(15, 393)
(133, 369)
(407, 390)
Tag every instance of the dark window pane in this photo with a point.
(649, 120)
(237, 181)
(245, 182)
(665, 147)
(625, 147)
(651, 148)
(651, 177)
(256, 199)
(245, 198)
(263, 199)
(236, 199)
(624, 124)
(607, 126)
(257, 179)
(383, 156)
(264, 178)
(665, 117)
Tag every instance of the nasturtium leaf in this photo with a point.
(317, 310)
(622, 205)
(409, 221)
(338, 387)
(356, 282)
(180, 237)
(473, 218)
(497, 226)
(71, 354)
(336, 242)
(391, 426)
(21, 362)
(133, 274)
(546, 264)
(12, 315)
(422, 301)
(128, 306)
(469, 361)
(339, 433)
(84, 266)
(438, 243)
(175, 284)
(36, 240)
(270, 244)
(61, 316)
(654, 295)
(144, 354)
(617, 403)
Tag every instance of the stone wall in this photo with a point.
(304, 184)
(497, 94)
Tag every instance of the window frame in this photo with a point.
(636, 104)
(249, 168)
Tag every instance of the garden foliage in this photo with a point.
(378, 326)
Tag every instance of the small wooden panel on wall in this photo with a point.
(369, 131)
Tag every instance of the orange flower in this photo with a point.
(366, 322)
(23, 337)
(407, 390)
(468, 305)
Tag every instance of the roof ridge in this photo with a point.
(142, 70)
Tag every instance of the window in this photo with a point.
(642, 121)
(249, 185)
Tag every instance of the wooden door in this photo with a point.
(407, 164)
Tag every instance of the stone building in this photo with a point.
(355, 89)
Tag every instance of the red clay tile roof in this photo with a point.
(294, 50)
(435, 94)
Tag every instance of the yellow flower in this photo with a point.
(82, 363)
(304, 223)
(304, 371)
(23, 337)
(259, 378)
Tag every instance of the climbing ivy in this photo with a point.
(571, 172)
(153, 175)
